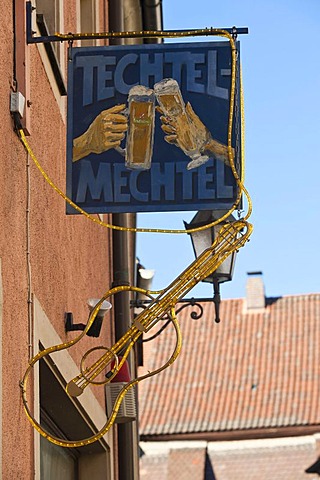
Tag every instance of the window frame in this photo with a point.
(63, 369)
(53, 64)
(83, 26)
(52, 56)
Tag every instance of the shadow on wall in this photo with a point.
(209, 473)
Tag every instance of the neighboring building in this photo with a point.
(51, 263)
(243, 398)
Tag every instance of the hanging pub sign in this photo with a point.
(148, 128)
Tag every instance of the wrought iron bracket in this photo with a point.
(69, 325)
(182, 304)
(94, 330)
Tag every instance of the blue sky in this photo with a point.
(281, 77)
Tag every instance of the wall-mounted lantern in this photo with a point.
(94, 330)
(203, 239)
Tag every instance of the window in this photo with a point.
(64, 417)
(60, 417)
(56, 462)
(49, 12)
(88, 20)
(49, 21)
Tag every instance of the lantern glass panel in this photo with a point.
(203, 239)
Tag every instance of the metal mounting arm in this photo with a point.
(58, 37)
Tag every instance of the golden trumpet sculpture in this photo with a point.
(231, 237)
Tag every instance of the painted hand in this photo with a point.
(188, 132)
(105, 132)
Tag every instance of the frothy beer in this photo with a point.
(141, 126)
(170, 100)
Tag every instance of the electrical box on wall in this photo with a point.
(17, 103)
(127, 411)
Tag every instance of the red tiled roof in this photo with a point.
(190, 461)
(257, 369)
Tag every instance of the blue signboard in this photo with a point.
(147, 128)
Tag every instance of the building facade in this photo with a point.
(242, 401)
(51, 263)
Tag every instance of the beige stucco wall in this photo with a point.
(69, 256)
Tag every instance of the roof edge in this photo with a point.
(253, 433)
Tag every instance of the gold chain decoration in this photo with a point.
(231, 237)
(200, 32)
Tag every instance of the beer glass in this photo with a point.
(169, 97)
(141, 106)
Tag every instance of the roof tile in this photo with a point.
(257, 369)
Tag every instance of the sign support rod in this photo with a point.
(58, 37)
